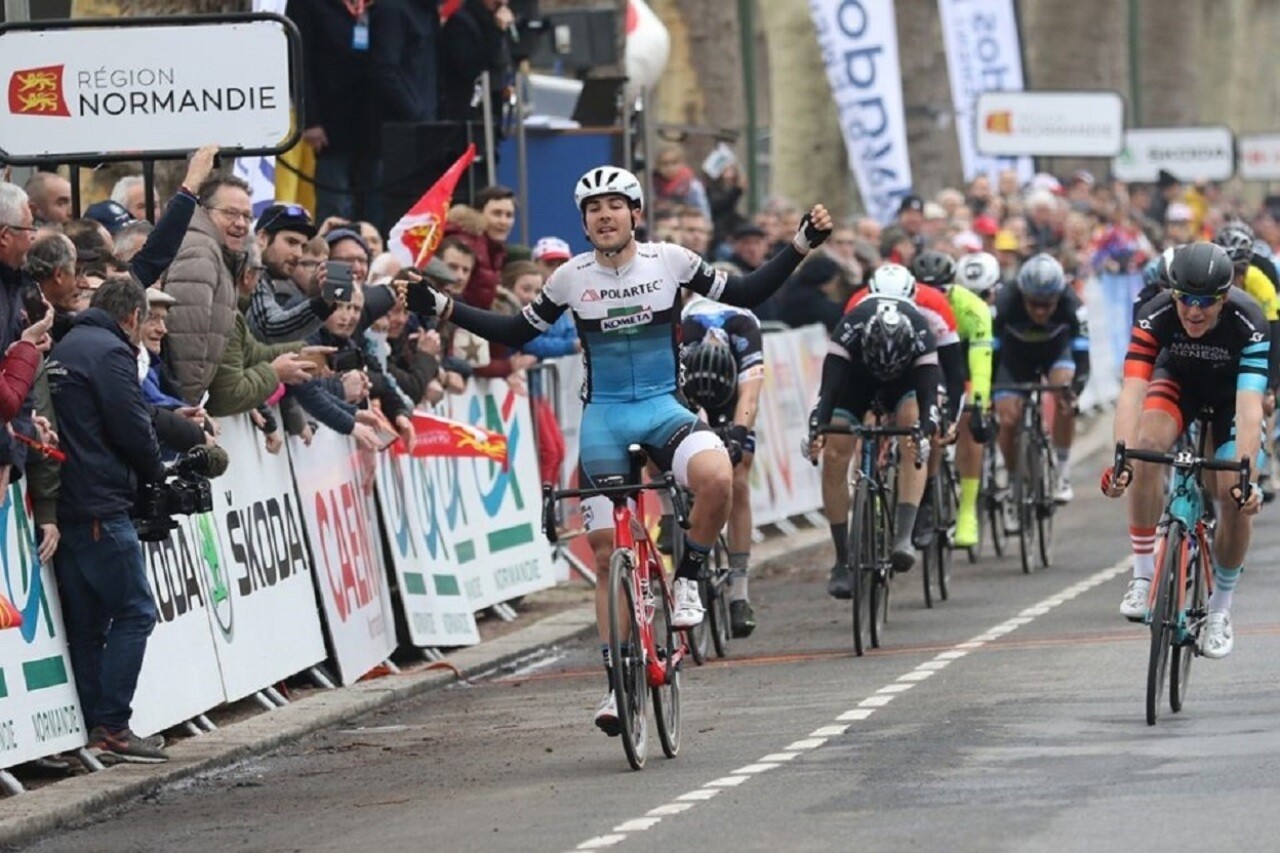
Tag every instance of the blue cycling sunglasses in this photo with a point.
(1199, 300)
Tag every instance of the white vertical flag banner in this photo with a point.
(859, 43)
(984, 54)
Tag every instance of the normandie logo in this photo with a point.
(1001, 122)
(38, 91)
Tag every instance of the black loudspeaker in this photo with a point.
(416, 154)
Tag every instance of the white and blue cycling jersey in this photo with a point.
(628, 319)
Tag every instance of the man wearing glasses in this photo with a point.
(1041, 334)
(202, 280)
(17, 231)
(1199, 344)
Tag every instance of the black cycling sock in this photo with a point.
(840, 537)
(695, 557)
(608, 666)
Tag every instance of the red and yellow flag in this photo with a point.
(437, 436)
(10, 617)
(415, 238)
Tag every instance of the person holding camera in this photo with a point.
(111, 448)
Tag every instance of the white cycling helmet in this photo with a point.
(978, 272)
(893, 280)
(608, 180)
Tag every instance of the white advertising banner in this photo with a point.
(500, 528)
(437, 609)
(39, 709)
(783, 483)
(1188, 153)
(1049, 124)
(343, 535)
(984, 54)
(859, 43)
(144, 89)
(1259, 156)
(266, 624)
(180, 677)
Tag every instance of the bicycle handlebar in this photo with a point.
(913, 432)
(1024, 387)
(550, 495)
(1184, 461)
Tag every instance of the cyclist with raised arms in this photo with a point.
(973, 322)
(722, 356)
(1040, 330)
(881, 353)
(625, 299)
(1200, 344)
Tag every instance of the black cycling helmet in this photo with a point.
(888, 342)
(1201, 268)
(1237, 239)
(710, 375)
(934, 268)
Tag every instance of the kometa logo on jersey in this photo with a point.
(38, 91)
(626, 319)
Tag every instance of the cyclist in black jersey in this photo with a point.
(1200, 344)
(1041, 331)
(881, 353)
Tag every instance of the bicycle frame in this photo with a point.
(630, 533)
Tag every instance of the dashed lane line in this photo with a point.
(864, 710)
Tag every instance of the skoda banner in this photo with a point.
(137, 88)
(859, 43)
(984, 54)
(39, 709)
(1188, 153)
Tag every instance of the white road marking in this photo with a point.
(866, 708)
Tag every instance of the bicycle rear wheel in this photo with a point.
(718, 610)
(666, 696)
(861, 553)
(1163, 621)
(697, 638)
(1046, 506)
(881, 574)
(626, 654)
(1194, 613)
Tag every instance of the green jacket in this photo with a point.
(245, 378)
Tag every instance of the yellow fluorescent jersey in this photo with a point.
(973, 322)
(1257, 285)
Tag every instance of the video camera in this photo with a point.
(184, 490)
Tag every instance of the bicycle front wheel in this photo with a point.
(946, 523)
(1164, 620)
(992, 499)
(1194, 613)
(626, 655)
(666, 696)
(880, 574)
(1046, 506)
(861, 551)
(1024, 498)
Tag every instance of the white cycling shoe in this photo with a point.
(1134, 604)
(607, 716)
(688, 612)
(1219, 639)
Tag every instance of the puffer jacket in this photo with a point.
(202, 320)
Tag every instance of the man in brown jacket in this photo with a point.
(203, 281)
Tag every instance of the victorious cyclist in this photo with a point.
(625, 299)
(1202, 343)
